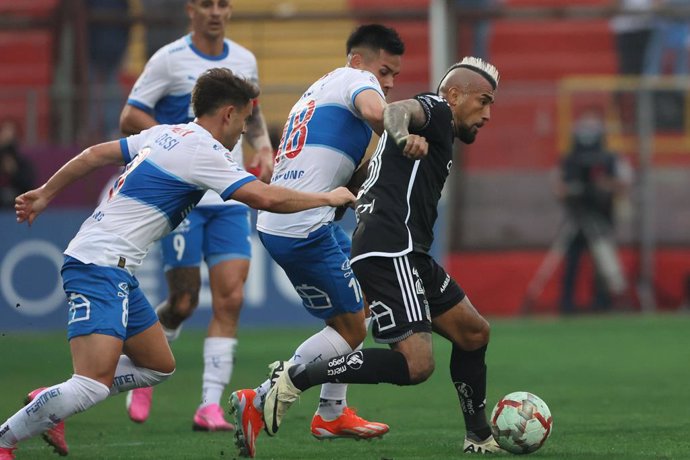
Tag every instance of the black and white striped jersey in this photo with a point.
(397, 204)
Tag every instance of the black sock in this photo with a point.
(371, 365)
(468, 371)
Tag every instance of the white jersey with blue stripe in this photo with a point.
(169, 168)
(324, 140)
(164, 89)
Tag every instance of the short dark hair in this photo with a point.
(218, 87)
(376, 37)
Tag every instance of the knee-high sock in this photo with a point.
(468, 371)
(219, 356)
(370, 365)
(325, 344)
(50, 407)
(128, 376)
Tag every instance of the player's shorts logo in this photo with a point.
(79, 308)
(313, 297)
(382, 315)
(355, 360)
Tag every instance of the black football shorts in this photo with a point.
(404, 293)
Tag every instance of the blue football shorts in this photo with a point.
(220, 233)
(319, 268)
(104, 300)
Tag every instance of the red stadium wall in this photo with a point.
(496, 281)
(27, 57)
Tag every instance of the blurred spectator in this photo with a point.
(16, 171)
(590, 178)
(108, 35)
(669, 42)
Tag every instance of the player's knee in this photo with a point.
(228, 304)
(477, 337)
(151, 377)
(182, 304)
(85, 392)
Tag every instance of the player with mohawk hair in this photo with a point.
(409, 293)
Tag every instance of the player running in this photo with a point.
(409, 293)
(116, 341)
(216, 230)
(324, 142)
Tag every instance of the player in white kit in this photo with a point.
(324, 142)
(161, 95)
(116, 341)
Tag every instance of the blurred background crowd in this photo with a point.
(574, 199)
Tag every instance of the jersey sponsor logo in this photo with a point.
(355, 360)
(292, 174)
(382, 315)
(98, 216)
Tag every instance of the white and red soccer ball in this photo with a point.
(521, 422)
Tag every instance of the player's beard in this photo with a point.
(466, 135)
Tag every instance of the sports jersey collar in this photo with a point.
(220, 57)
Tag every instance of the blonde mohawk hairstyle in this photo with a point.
(483, 67)
(486, 70)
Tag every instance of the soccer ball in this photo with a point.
(521, 422)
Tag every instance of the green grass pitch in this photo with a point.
(617, 386)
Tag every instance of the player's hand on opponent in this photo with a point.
(414, 147)
(263, 161)
(341, 196)
(29, 205)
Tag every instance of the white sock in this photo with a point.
(261, 391)
(325, 344)
(219, 354)
(128, 376)
(50, 407)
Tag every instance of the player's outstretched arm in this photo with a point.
(284, 200)
(30, 204)
(398, 117)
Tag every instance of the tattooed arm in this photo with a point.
(257, 136)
